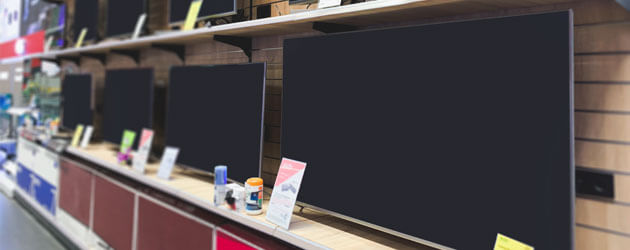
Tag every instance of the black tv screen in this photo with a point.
(448, 133)
(128, 103)
(178, 9)
(85, 16)
(76, 92)
(215, 117)
(122, 16)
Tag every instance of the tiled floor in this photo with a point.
(20, 231)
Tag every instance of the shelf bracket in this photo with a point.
(76, 60)
(133, 54)
(100, 57)
(179, 50)
(245, 43)
(332, 27)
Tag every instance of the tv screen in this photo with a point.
(128, 103)
(215, 117)
(122, 16)
(85, 16)
(448, 133)
(178, 10)
(76, 92)
(35, 14)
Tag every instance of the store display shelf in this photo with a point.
(372, 13)
(308, 230)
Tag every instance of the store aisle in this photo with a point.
(20, 231)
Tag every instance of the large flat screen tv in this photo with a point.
(128, 103)
(447, 133)
(122, 16)
(76, 92)
(215, 117)
(178, 9)
(85, 16)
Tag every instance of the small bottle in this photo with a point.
(220, 180)
(254, 196)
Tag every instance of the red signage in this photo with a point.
(33, 43)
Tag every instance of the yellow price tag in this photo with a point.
(506, 243)
(193, 13)
(81, 37)
(77, 135)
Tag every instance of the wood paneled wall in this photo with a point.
(602, 103)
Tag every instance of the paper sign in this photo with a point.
(168, 161)
(127, 141)
(139, 24)
(48, 43)
(193, 13)
(328, 3)
(506, 243)
(285, 192)
(77, 135)
(87, 136)
(144, 149)
(81, 37)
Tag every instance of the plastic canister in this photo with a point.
(254, 196)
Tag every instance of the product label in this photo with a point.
(285, 192)
(77, 135)
(506, 243)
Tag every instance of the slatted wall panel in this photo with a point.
(602, 120)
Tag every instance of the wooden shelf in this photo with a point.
(309, 229)
(373, 13)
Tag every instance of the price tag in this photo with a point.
(77, 135)
(139, 24)
(506, 243)
(144, 149)
(168, 162)
(285, 192)
(193, 13)
(81, 37)
(87, 136)
(127, 141)
(328, 3)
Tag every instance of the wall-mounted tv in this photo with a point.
(122, 16)
(76, 93)
(178, 9)
(445, 134)
(128, 102)
(215, 117)
(85, 16)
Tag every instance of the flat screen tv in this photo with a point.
(76, 93)
(122, 16)
(128, 103)
(85, 16)
(215, 117)
(178, 9)
(446, 134)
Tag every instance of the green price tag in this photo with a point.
(127, 141)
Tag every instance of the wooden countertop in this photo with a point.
(309, 229)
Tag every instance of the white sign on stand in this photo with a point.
(144, 148)
(328, 3)
(168, 161)
(87, 136)
(285, 192)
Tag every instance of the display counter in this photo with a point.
(187, 196)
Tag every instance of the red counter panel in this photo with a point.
(75, 191)
(113, 214)
(162, 228)
(225, 242)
